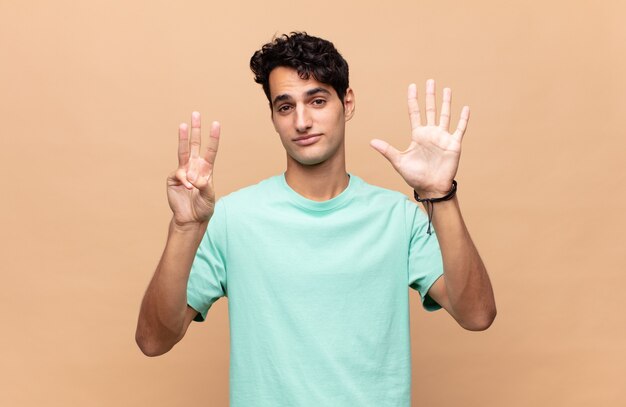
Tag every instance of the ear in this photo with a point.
(348, 104)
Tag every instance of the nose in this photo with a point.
(303, 119)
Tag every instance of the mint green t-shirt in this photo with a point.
(317, 293)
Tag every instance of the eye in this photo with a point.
(283, 108)
(319, 102)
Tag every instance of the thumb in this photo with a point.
(386, 150)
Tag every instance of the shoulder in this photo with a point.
(374, 192)
(383, 200)
(252, 195)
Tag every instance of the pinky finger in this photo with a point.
(460, 129)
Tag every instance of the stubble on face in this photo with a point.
(309, 118)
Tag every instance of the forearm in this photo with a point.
(468, 288)
(162, 315)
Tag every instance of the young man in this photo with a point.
(315, 262)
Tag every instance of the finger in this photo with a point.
(444, 118)
(201, 182)
(431, 109)
(183, 145)
(193, 172)
(460, 129)
(414, 109)
(181, 176)
(386, 150)
(214, 142)
(195, 135)
(201, 176)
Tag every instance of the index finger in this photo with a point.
(460, 129)
(213, 144)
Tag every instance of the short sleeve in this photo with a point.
(425, 262)
(207, 280)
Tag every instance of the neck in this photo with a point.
(319, 182)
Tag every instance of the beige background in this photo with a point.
(91, 97)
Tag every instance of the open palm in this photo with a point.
(190, 190)
(431, 161)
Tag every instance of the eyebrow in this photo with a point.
(308, 93)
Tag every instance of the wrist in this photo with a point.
(436, 193)
(192, 227)
(432, 194)
(429, 203)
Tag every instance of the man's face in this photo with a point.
(308, 116)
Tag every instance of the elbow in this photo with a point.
(149, 346)
(150, 351)
(154, 338)
(480, 322)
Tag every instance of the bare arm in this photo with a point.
(429, 165)
(164, 315)
(464, 290)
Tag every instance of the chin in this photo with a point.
(308, 158)
(314, 155)
(310, 162)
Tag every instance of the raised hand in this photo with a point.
(190, 190)
(431, 161)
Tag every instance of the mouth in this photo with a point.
(307, 140)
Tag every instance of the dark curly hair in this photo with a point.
(308, 55)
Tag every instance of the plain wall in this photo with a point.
(91, 95)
